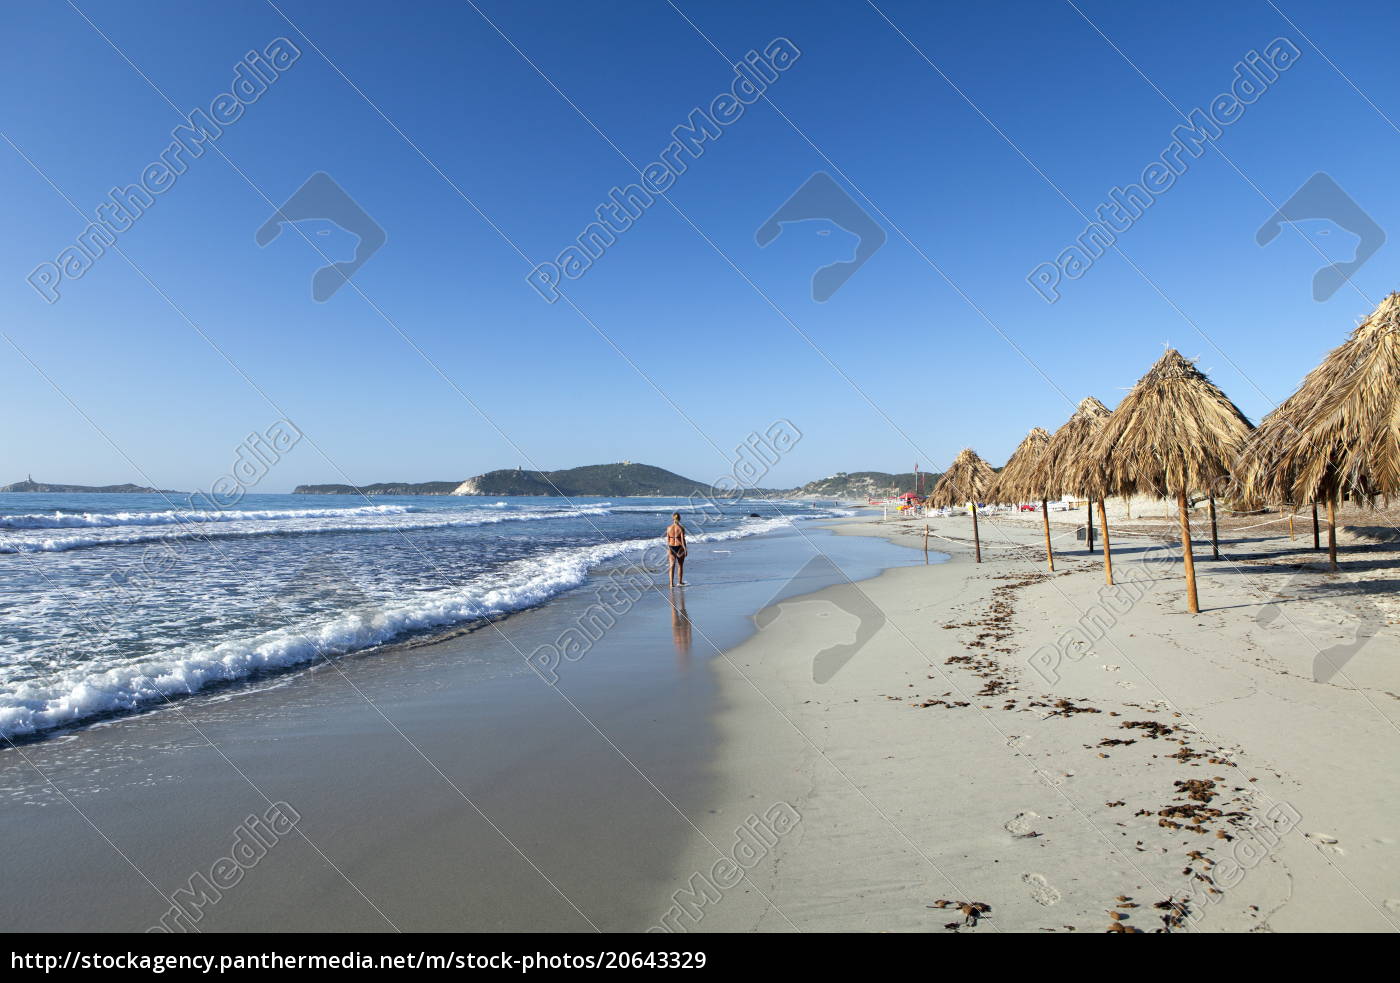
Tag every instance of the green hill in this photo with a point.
(620, 480)
(863, 484)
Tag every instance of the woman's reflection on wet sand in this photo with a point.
(680, 628)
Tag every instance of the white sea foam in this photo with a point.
(29, 541)
(94, 520)
(77, 693)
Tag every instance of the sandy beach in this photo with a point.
(1061, 756)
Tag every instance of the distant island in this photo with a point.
(628, 480)
(30, 485)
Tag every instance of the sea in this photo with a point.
(115, 604)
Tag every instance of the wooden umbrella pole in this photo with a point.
(1214, 539)
(1192, 604)
(1316, 545)
(1089, 504)
(976, 539)
(1107, 550)
(1290, 527)
(1332, 535)
(1045, 520)
(925, 542)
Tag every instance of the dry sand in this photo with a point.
(1071, 756)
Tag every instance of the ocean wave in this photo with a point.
(98, 520)
(30, 542)
(81, 693)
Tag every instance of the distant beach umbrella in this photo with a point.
(1017, 481)
(1338, 436)
(1175, 433)
(1067, 468)
(968, 479)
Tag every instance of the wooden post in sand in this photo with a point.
(1045, 519)
(1192, 604)
(1089, 505)
(926, 543)
(1214, 540)
(976, 539)
(1290, 527)
(1107, 551)
(1332, 535)
(1316, 545)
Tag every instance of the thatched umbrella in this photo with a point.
(1175, 433)
(1338, 436)
(1017, 481)
(1066, 467)
(968, 479)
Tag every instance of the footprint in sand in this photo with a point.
(1022, 825)
(1041, 891)
(1324, 841)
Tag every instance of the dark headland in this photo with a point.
(47, 488)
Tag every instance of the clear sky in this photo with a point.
(439, 361)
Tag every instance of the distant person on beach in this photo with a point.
(675, 545)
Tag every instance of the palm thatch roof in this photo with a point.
(1174, 432)
(1016, 482)
(1338, 436)
(1059, 470)
(968, 479)
(1258, 476)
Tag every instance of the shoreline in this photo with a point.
(988, 744)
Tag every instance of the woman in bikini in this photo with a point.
(675, 545)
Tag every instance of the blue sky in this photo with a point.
(728, 331)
